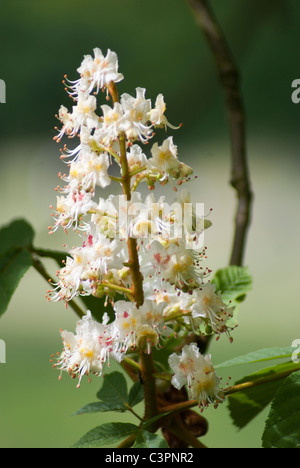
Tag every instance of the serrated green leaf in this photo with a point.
(261, 355)
(13, 265)
(106, 435)
(18, 234)
(245, 405)
(136, 394)
(114, 392)
(234, 283)
(98, 407)
(146, 439)
(282, 428)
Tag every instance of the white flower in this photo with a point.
(105, 218)
(89, 349)
(84, 112)
(137, 161)
(145, 220)
(164, 157)
(171, 261)
(101, 70)
(196, 371)
(184, 366)
(161, 292)
(90, 170)
(83, 115)
(165, 161)
(136, 111)
(156, 115)
(87, 266)
(208, 306)
(139, 327)
(106, 254)
(69, 209)
(113, 123)
(68, 125)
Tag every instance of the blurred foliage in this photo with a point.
(160, 47)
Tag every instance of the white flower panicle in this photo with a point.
(178, 299)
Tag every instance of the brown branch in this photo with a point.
(178, 428)
(149, 383)
(230, 81)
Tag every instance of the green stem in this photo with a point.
(271, 378)
(138, 171)
(116, 287)
(127, 443)
(133, 412)
(135, 365)
(116, 179)
(165, 377)
(145, 176)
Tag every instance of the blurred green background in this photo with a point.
(160, 48)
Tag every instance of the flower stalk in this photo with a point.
(133, 263)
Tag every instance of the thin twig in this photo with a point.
(270, 378)
(230, 81)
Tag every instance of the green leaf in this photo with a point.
(136, 394)
(15, 259)
(245, 405)
(13, 266)
(113, 396)
(16, 235)
(233, 282)
(114, 392)
(106, 435)
(146, 439)
(261, 355)
(283, 424)
(97, 407)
